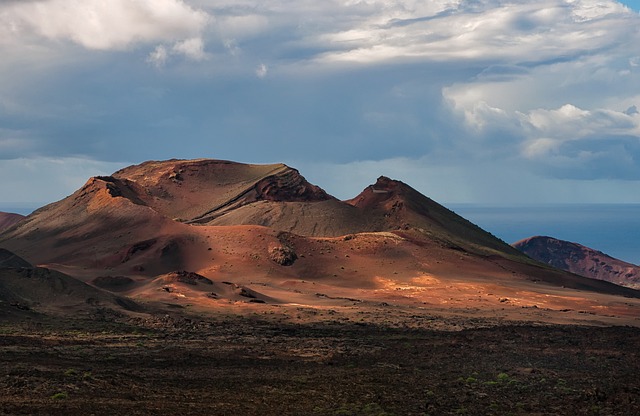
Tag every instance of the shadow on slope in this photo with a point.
(49, 291)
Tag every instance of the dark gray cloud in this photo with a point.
(593, 158)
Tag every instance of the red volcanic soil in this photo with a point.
(269, 241)
(202, 190)
(213, 287)
(581, 260)
(7, 219)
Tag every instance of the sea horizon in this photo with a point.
(611, 228)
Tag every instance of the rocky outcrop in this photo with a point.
(189, 278)
(282, 255)
(289, 186)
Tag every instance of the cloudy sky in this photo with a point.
(482, 101)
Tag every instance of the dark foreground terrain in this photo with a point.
(244, 366)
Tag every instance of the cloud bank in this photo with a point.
(469, 92)
(102, 25)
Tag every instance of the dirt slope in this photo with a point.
(580, 260)
(99, 221)
(201, 190)
(397, 206)
(153, 209)
(267, 232)
(49, 291)
(7, 219)
(9, 260)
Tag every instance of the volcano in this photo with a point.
(280, 240)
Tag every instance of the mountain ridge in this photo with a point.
(225, 193)
(272, 234)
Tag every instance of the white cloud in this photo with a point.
(588, 10)
(231, 46)
(569, 121)
(481, 116)
(564, 142)
(261, 71)
(158, 57)
(539, 147)
(192, 48)
(545, 88)
(102, 25)
(480, 31)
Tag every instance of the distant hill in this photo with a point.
(7, 219)
(581, 260)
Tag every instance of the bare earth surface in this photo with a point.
(7, 219)
(215, 288)
(271, 365)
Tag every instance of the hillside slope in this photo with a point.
(264, 231)
(25, 289)
(7, 219)
(164, 200)
(580, 260)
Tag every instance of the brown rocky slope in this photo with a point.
(263, 230)
(24, 288)
(7, 219)
(163, 204)
(580, 260)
